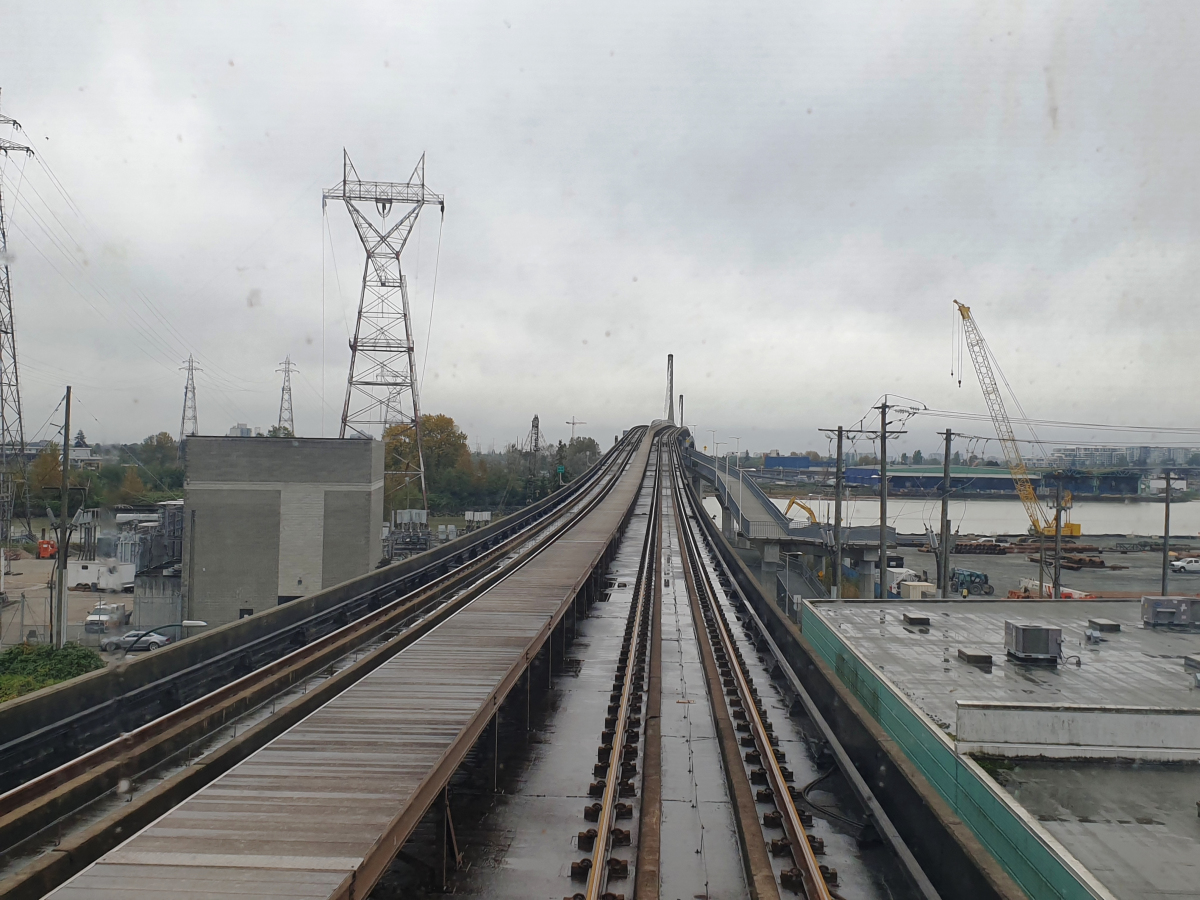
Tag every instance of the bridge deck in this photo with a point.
(302, 816)
(757, 520)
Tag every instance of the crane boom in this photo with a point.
(978, 349)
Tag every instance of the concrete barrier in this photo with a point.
(1067, 731)
(43, 728)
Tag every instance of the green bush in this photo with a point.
(29, 667)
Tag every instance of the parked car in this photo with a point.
(135, 641)
(1190, 564)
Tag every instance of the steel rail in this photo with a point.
(815, 887)
(376, 861)
(31, 754)
(43, 800)
(598, 875)
(352, 635)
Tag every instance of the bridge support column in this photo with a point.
(770, 566)
(727, 523)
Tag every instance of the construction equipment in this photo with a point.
(982, 357)
(973, 582)
(796, 501)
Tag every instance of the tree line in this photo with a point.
(457, 479)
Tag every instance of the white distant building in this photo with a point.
(241, 429)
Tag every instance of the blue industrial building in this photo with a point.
(995, 480)
(787, 462)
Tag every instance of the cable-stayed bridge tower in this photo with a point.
(382, 389)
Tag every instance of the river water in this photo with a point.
(983, 517)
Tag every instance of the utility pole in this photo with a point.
(1166, 559)
(883, 436)
(1058, 507)
(59, 625)
(838, 478)
(944, 543)
(383, 368)
(188, 424)
(286, 421)
(838, 500)
(12, 428)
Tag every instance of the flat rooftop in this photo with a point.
(1134, 825)
(1133, 667)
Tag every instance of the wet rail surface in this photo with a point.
(706, 821)
(322, 809)
(638, 739)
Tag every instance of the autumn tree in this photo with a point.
(46, 470)
(132, 487)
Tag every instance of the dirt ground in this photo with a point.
(30, 577)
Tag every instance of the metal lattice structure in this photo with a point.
(382, 389)
(12, 428)
(981, 357)
(286, 422)
(188, 424)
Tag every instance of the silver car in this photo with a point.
(134, 641)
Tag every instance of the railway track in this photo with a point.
(688, 791)
(54, 825)
(32, 745)
(634, 820)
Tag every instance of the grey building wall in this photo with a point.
(272, 518)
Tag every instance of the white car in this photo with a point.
(1191, 564)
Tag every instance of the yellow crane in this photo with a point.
(981, 357)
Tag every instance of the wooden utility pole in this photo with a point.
(838, 486)
(1166, 559)
(59, 623)
(1058, 507)
(944, 543)
(883, 408)
(840, 483)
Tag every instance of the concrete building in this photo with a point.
(1090, 765)
(267, 520)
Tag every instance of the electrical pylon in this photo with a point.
(383, 365)
(12, 428)
(285, 400)
(188, 424)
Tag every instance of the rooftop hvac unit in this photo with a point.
(1033, 643)
(1171, 612)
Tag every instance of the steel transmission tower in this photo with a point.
(285, 401)
(12, 428)
(382, 359)
(188, 425)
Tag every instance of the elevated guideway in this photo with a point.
(322, 809)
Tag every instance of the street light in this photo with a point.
(737, 454)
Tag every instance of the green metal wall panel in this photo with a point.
(1020, 850)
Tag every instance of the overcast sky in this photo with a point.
(787, 196)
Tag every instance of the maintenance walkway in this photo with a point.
(322, 809)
